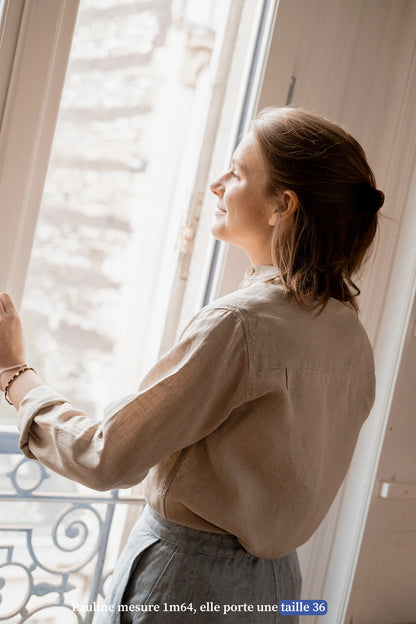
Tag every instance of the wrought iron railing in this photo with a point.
(54, 541)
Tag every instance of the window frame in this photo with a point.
(38, 54)
(207, 257)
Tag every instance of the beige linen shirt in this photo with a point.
(247, 426)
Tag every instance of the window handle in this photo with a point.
(402, 491)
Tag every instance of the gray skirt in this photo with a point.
(171, 574)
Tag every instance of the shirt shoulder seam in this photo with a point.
(237, 312)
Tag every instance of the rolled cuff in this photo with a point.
(35, 400)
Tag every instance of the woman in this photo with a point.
(244, 430)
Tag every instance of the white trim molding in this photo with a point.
(28, 125)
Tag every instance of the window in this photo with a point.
(146, 89)
(114, 201)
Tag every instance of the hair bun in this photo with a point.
(381, 195)
(372, 199)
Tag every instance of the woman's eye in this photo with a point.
(234, 174)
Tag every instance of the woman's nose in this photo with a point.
(217, 187)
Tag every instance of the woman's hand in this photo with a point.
(12, 347)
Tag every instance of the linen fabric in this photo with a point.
(246, 426)
(171, 574)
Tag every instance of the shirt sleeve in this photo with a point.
(188, 394)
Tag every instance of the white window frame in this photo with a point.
(240, 100)
(39, 52)
(10, 15)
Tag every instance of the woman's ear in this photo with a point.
(287, 204)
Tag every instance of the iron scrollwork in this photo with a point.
(42, 575)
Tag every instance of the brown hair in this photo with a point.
(336, 219)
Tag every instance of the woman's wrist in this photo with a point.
(22, 384)
(7, 373)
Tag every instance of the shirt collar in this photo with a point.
(259, 273)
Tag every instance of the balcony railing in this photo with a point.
(55, 541)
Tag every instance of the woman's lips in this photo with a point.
(220, 210)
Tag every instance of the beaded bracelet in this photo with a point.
(10, 368)
(23, 369)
